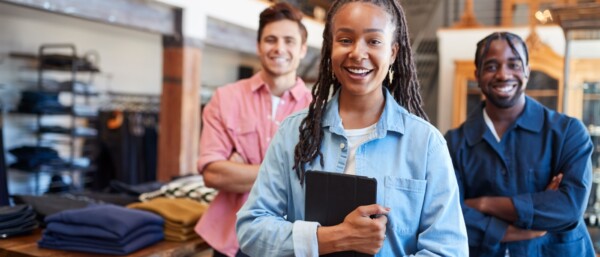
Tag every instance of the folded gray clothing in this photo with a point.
(19, 220)
(116, 199)
(95, 234)
(11, 212)
(48, 241)
(50, 204)
(19, 230)
(116, 219)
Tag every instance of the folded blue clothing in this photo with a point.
(11, 212)
(140, 242)
(19, 230)
(26, 218)
(77, 233)
(117, 220)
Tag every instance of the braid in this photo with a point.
(311, 133)
(404, 88)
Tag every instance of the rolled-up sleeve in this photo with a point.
(215, 144)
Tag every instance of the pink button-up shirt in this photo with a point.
(238, 118)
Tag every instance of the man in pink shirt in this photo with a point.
(241, 118)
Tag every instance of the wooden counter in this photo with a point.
(26, 246)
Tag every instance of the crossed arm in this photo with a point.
(503, 208)
(232, 175)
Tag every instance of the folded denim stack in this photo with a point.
(16, 220)
(180, 214)
(31, 157)
(104, 229)
(41, 102)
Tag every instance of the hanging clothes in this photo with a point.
(3, 170)
(128, 142)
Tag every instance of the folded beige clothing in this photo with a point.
(170, 236)
(180, 211)
(178, 228)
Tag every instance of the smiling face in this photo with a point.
(503, 75)
(363, 47)
(280, 48)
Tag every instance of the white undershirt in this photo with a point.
(490, 125)
(274, 104)
(356, 137)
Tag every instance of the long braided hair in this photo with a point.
(404, 88)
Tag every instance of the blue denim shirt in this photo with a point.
(539, 145)
(406, 155)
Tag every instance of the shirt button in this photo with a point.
(342, 145)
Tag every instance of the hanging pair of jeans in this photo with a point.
(127, 150)
(3, 170)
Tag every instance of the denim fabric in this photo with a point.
(41, 102)
(127, 153)
(3, 171)
(405, 154)
(538, 146)
(16, 220)
(31, 157)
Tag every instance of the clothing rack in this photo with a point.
(131, 102)
(128, 139)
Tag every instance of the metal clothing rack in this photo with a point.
(132, 102)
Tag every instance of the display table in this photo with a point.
(26, 246)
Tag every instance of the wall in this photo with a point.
(461, 44)
(240, 12)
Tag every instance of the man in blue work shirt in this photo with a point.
(524, 171)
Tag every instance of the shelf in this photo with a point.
(68, 132)
(67, 68)
(55, 169)
(83, 66)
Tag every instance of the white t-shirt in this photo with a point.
(274, 104)
(490, 125)
(356, 137)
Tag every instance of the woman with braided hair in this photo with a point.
(366, 118)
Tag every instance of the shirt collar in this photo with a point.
(531, 119)
(297, 91)
(391, 119)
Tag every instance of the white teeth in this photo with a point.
(280, 60)
(504, 89)
(358, 71)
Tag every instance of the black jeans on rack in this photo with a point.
(128, 152)
(3, 170)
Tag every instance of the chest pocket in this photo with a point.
(246, 140)
(405, 198)
(538, 177)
